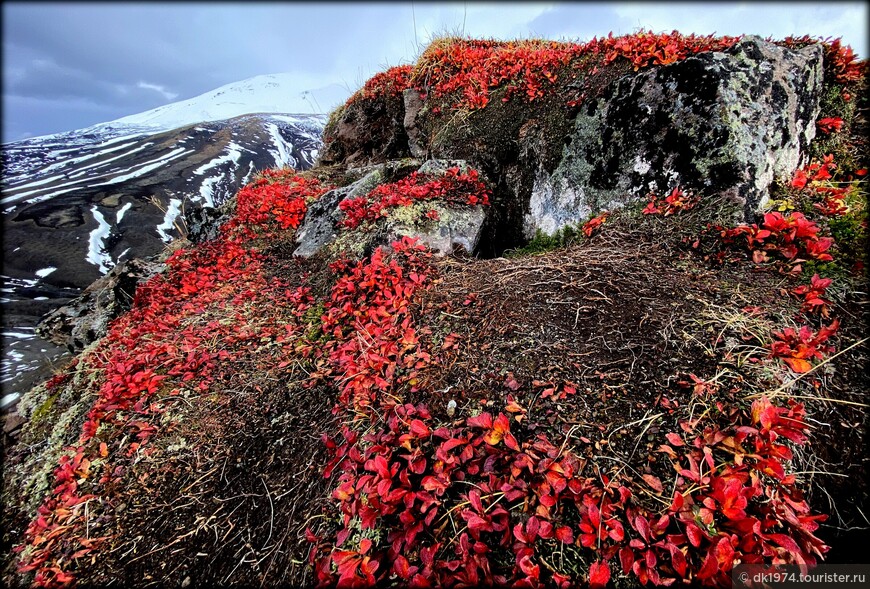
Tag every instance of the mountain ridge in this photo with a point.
(262, 94)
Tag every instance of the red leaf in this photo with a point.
(674, 439)
(565, 534)
(419, 429)
(694, 534)
(511, 442)
(599, 575)
(653, 482)
(483, 420)
(642, 526)
(799, 365)
(626, 559)
(401, 567)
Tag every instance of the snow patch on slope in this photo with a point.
(149, 166)
(97, 254)
(283, 156)
(172, 212)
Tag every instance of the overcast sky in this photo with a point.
(70, 65)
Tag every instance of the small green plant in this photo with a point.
(543, 242)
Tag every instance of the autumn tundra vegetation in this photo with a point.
(647, 395)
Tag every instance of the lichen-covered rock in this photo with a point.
(720, 123)
(455, 229)
(203, 223)
(86, 318)
(323, 216)
(451, 228)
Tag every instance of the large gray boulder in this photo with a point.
(86, 319)
(720, 123)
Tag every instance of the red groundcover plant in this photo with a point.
(798, 346)
(160, 348)
(387, 84)
(733, 501)
(481, 503)
(469, 70)
(788, 237)
(453, 187)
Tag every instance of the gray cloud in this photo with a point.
(71, 65)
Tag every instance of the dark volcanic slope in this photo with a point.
(77, 203)
(82, 208)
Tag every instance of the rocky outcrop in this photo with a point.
(86, 318)
(323, 216)
(452, 228)
(724, 124)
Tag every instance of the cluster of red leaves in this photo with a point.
(594, 223)
(272, 202)
(829, 124)
(743, 506)
(815, 178)
(62, 377)
(161, 347)
(387, 84)
(798, 346)
(646, 48)
(814, 172)
(675, 202)
(451, 187)
(789, 237)
(372, 297)
(469, 69)
(814, 302)
(733, 502)
(411, 479)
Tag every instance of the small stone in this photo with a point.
(13, 423)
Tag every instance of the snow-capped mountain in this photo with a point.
(271, 93)
(77, 203)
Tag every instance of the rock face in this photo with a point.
(413, 105)
(721, 124)
(86, 319)
(323, 216)
(366, 131)
(455, 227)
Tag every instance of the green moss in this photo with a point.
(43, 409)
(850, 234)
(840, 143)
(543, 242)
(312, 318)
